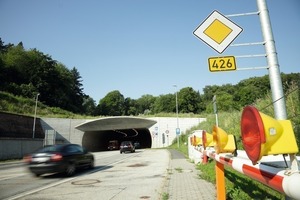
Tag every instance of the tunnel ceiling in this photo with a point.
(115, 123)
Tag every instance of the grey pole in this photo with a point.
(33, 130)
(274, 72)
(215, 109)
(177, 117)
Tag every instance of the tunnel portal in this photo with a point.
(99, 132)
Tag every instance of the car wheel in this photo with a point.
(70, 171)
(37, 175)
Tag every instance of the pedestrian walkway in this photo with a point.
(183, 180)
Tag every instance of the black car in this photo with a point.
(113, 145)
(137, 145)
(127, 146)
(60, 158)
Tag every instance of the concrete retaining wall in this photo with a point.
(64, 129)
(17, 148)
(65, 132)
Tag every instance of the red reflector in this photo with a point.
(56, 157)
(27, 159)
(253, 134)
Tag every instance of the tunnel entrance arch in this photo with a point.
(98, 133)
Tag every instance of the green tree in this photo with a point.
(3, 47)
(112, 104)
(15, 61)
(164, 103)
(145, 103)
(130, 107)
(76, 92)
(27, 73)
(63, 83)
(188, 100)
(89, 105)
(209, 92)
(248, 95)
(201, 104)
(248, 90)
(225, 101)
(290, 79)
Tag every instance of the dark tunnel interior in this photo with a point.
(98, 140)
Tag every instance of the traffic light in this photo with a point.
(223, 143)
(263, 135)
(207, 140)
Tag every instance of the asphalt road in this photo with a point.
(137, 175)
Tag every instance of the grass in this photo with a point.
(239, 186)
(178, 169)
(165, 196)
(24, 106)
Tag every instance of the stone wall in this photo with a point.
(19, 126)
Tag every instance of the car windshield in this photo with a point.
(126, 143)
(53, 148)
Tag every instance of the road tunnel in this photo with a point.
(98, 133)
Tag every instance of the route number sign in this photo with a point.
(217, 64)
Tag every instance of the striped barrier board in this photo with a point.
(271, 171)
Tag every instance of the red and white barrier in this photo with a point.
(271, 171)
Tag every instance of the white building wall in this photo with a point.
(167, 126)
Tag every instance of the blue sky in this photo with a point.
(146, 46)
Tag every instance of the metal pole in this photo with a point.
(177, 135)
(274, 72)
(215, 109)
(36, 100)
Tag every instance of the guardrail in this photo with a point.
(271, 171)
(269, 157)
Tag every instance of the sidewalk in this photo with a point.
(183, 180)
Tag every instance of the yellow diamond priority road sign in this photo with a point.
(217, 31)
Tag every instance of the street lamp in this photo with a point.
(177, 128)
(36, 100)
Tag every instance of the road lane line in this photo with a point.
(66, 180)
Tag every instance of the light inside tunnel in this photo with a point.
(99, 140)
